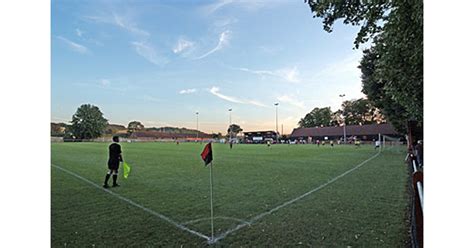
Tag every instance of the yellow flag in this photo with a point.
(126, 170)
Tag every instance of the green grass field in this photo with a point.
(168, 191)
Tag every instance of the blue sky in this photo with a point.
(159, 62)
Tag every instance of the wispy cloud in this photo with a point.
(256, 103)
(148, 52)
(215, 91)
(291, 100)
(187, 91)
(223, 41)
(211, 8)
(121, 21)
(74, 46)
(288, 74)
(250, 5)
(84, 37)
(128, 25)
(182, 45)
(151, 98)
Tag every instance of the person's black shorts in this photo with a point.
(114, 165)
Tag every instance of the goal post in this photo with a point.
(390, 142)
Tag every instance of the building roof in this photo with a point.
(357, 130)
(163, 135)
(255, 132)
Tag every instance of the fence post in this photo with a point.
(417, 201)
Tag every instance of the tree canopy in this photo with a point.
(88, 122)
(134, 126)
(360, 112)
(392, 69)
(354, 112)
(317, 117)
(234, 129)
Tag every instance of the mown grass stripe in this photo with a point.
(258, 217)
(165, 218)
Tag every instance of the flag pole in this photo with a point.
(212, 210)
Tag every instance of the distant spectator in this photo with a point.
(419, 153)
(377, 144)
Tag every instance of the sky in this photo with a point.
(160, 62)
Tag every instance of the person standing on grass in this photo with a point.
(419, 153)
(115, 157)
(377, 144)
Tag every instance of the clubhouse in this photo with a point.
(359, 132)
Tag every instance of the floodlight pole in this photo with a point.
(276, 122)
(230, 124)
(197, 126)
(212, 208)
(343, 118)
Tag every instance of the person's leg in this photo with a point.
(115, 176)
(107, 177)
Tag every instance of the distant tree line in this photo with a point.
(89, 123)
(354, 112)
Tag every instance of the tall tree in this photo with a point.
(88, 122)
(396, 30)
(360, 112)
(317, 117)
(373, 87)
(233, 130)
(134, 126)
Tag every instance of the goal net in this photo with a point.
(389, 142)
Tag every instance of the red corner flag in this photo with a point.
(206, 154)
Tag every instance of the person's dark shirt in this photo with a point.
(419, 150)
(115, 153)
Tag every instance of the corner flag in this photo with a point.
(206, 154)
(126, 170)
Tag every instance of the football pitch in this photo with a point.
(283, 195)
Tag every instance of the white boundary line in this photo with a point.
(221, 217)
(238, 227)
(165, 218)
(256, 218)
